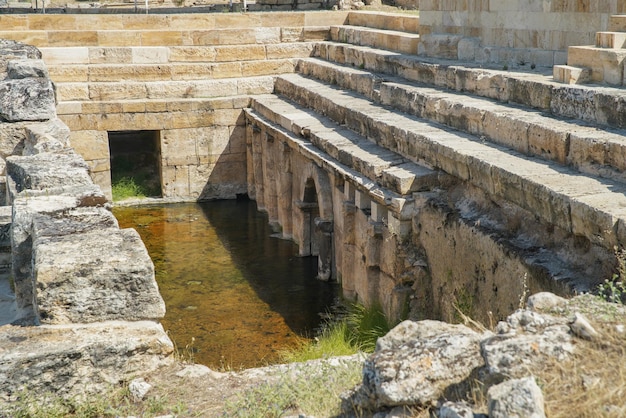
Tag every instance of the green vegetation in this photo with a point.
(314, 390)
(356, 332)
(113, 403)
(614, 290)
(127, 180)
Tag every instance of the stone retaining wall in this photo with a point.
(84, 289)
(510, 31)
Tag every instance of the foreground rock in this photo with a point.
(415, 363)
(78, 359)
(427, 363)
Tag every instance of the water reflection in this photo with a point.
(241, 294)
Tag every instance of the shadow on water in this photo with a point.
(239, 294)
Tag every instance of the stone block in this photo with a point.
(73, 38)
(175, 181)
(192, 53)
(71, 360)
(161, 38)
(111, 91)
(240, 53)
(110, 55)
(91, 145)
(72, 92)
(150, 55)
(49, 136)
(69, 73)
(47, 171)
(27, 99)
(94, 276)
(69, 55)
(115, 38)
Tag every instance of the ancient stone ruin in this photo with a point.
(403, 151)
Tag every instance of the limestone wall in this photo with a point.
(186, 76)
(511, 31)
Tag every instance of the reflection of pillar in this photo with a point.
(270, 162)
(324, 230)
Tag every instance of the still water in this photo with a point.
(234, 294)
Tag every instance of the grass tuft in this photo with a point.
(114, 402)
(356, 331)
(314, 390)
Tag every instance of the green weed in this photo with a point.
(314, 390)
(355, 332)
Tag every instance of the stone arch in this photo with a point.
(317, 219)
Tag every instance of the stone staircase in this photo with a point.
(599, 63)
(565, 174)
(553, 155)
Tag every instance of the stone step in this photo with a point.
(62, 56)
(190, 89)
(391, 40)
(568, 142)
(606, 65)
(137, 73)
(571, 75)
(536, 90)
(614, 40)
(405, 22)
(170, 105)
(389, 208)
(175, 21)
(579, 204)
(199, 37)
(617, 23)
(386, 168)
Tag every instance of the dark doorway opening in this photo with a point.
(135, 164)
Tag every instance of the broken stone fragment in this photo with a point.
(544, 301)
(517, 398)
(27, 99)
(581, 327)
(94, 276)
(26, 68)
(455, 410)
(526, 339)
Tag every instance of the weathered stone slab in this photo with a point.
(94, 276)
(26, 68)
(78, 359)
(48, 212)
(27, 99)
(47, 171)
(49, 136)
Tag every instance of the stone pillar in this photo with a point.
(257, 168)
(284, 191)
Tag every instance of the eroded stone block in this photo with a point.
(94, 276)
